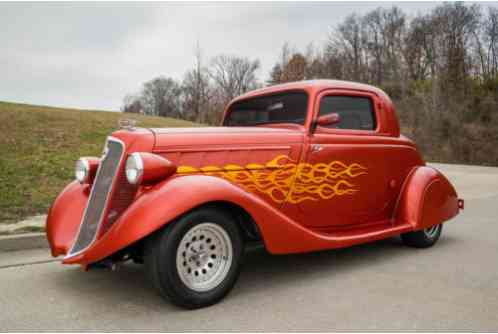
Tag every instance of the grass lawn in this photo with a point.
(39, 146)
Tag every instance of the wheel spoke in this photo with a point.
(204, 247)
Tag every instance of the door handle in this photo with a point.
(315, 148)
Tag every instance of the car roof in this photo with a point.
(308, 85)
(389, 123)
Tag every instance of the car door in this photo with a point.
(345, 175)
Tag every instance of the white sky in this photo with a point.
(90, 55)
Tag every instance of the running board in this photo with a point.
(358, 235)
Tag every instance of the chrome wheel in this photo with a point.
(204, 257)
(432, 231)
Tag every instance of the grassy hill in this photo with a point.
(39, 146)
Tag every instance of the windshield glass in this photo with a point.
(289, 107)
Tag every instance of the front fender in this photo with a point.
(161, 204)
(427, 199)
(64, 217)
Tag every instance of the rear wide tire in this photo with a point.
(424, 238)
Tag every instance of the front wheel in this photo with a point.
(424, 238)
(196, 261)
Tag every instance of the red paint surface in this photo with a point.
(397, 194)
(93, 164)
(155, 168)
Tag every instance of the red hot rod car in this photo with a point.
(300, 167)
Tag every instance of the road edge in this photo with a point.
(16, 242)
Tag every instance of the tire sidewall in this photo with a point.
(168, 276)
(420, 239)
(434, 238)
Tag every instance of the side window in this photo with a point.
(355, 112)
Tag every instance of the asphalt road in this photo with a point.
(378, 286)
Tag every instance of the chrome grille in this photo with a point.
(99, 196)
(123, 196)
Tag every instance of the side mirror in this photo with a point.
(328, 119)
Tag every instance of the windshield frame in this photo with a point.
(229, 108)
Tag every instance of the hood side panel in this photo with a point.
(259, 160)
(228, 137)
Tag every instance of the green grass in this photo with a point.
(39, 146)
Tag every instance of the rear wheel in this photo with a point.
(196, 261)
(424, 238)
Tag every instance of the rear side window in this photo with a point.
(355, 112)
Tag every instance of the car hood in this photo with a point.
(236, 147)
(171, 138)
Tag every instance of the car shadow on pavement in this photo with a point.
(259, 265)
(261, 273)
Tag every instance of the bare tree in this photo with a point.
(491, 39)
(233, 75)
(348, 39)
(196, 90)
(275, 75)
(295, 69)
(285, 54)
(375, 43)
(487, 44)
(315, 64)
(132, 104)
(277, 70)
(418, 50)
(455, 24)
(161, 97)
(393, 35)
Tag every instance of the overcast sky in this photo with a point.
(90, 55)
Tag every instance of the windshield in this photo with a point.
(289, 107)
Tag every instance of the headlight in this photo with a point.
(86, 168)
(147, 168)
(82, 170)
(134, 168)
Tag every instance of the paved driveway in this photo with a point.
(378, 286)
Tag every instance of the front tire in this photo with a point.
(195, 261)
(424, 238)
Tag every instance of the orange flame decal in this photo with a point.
(282, 179)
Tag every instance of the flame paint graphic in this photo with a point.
(282, 179)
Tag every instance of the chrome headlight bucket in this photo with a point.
(82, 170)
(85, 169)
(134, 168)
(144, 168)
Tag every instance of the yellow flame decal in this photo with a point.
(282, 179)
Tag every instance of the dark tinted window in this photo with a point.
(279, 108)
(355, 112)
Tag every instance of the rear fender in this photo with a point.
(427, 199)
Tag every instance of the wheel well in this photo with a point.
(245, 222)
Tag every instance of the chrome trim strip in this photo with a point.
(218, 148)
(70, 253)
